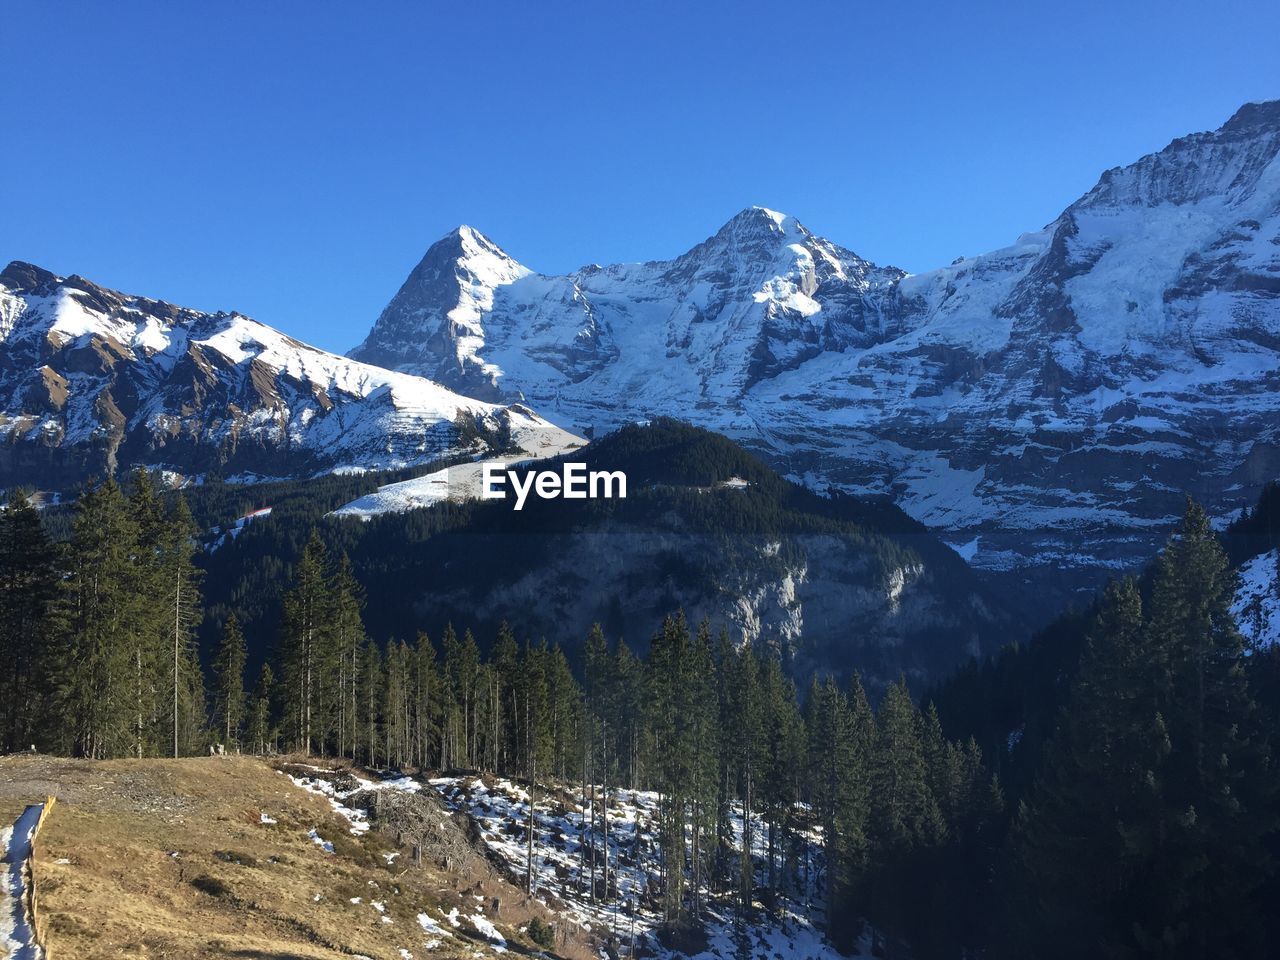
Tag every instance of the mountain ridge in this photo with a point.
(93, 380)
(1050, 401)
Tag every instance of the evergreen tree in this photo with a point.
(783, 750)
(308, 649)
(228, 668)
(830, 746)
(347, 598)
(1074, 862)
(1146, 830)
(905, 819)
(260, 733)
(425, 694)
(154, 676)
(396, 704)
(28, 590)
(103, 608)
(505, 656)
(169, 685)
(370, 682)
(1218, 789)
(743, 727)
(535, 732)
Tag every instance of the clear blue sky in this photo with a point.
(293, 160)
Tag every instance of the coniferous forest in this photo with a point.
(1108, 786)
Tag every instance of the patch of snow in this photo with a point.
(319, 841)
(1257, 600)
(462, 481)
(17, 936)
(500, 811)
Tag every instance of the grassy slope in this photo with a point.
(237, 887)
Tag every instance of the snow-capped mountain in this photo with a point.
(1047, 404)
(92, 380)
(759, 298)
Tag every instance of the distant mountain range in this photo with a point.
(1044, 406)
(92, 381)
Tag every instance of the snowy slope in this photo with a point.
(501, 808)
(1048, 402)
(535, 441)
(1257, 604)
(92, 380)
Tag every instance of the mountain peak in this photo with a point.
(1254, 117)
(753, 234)
(756, 218)
(26, 277)
(449, 289)
(1228, 163)
(464, 242)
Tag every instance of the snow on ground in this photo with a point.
(237, 527)
(17, 938)
(563, 834)
(320, 841)
(1257, 604)
(357, 819)
(358, 822)
(534, 440)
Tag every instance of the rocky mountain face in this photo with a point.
(832, 584)
(1046, 406)
(92, 381)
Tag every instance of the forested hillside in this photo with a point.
(833, 584)
(1108, 785)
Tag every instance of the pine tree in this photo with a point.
(905, 819)
(743, 740)
(564, 706)
(28, 590)
(1144, 833)
(629, 678)
(259, 732)
(783, 748)
(396, 706)
(370, 681)
(830, 746)
(228, 669)
(425, 694)
(1217, 784)
(154, 676)
(168, 634)
(505, 656)
(596, 755)
(103, 607)
(1069, 876)
(703, 720)
(347, 598)
(308, 649)
(453, 705)
(671, 763)
(535, 730)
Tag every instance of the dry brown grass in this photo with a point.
(168, 858)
